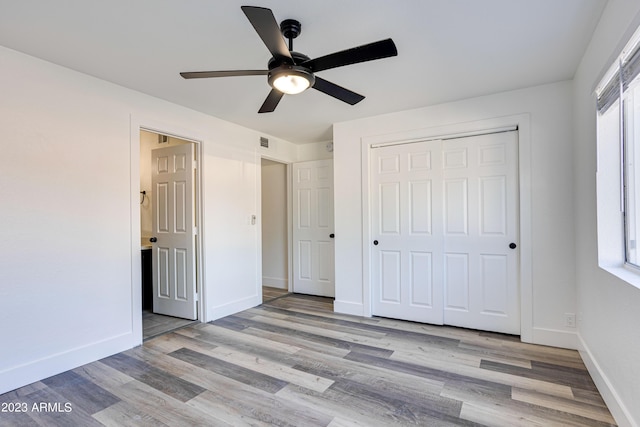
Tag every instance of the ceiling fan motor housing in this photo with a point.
(298, 58)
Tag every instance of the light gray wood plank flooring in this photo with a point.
(293, 362)
(154, 324)
(269, 293)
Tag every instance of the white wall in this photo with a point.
(608, 308)
(314, 151)
(552, 248)
(275, 266)
(70, 215)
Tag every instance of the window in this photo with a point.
(631, 140)
(618, 105)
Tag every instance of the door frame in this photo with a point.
(153, 125)
(522, 122)
(289, 207)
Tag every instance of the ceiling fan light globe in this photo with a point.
(291, 80)
(291, 84)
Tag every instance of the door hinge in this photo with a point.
(197, 297)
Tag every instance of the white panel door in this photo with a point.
(480, 183)
(313, 248)
(406, 239)
(174, 290)
(444, 232)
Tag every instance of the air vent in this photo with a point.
(163, 139)
(264, 142)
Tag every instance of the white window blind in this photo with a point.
(620, 77)
(621, 89)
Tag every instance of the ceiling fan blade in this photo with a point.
(367, 52)
(230, 73)
(268, 29)
(271, 102)
(337, 92)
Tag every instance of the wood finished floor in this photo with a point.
(269, 293)
(154, 324)
(293, 362)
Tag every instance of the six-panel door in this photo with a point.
(443, 215)
(174, 292)
(313, 247)
(406, 238)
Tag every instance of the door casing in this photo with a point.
(150, 124)
(288, 207)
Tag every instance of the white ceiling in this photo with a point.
(447, 50)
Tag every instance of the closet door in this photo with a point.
(444, 232)
(480, 189)
(406, 236)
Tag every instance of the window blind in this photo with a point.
(628, 70)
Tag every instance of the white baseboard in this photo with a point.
(275, 282)
(32, 371)
(619, 411)
(233, 307)
(346, 307)
(555, 338)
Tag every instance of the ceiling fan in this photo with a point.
(292, 72)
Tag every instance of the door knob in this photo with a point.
(375, 242)
(332, 235)
(512, 245)
(153, 239)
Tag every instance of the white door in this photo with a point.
(444, 214)
(174, 290)
(406, 233)
(313, 248)
(480, 185)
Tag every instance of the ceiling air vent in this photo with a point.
(264, 142)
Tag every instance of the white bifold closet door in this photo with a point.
(444, 229)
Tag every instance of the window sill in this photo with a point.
(629, 274)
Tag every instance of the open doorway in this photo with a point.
(168, 209)
(275, 230)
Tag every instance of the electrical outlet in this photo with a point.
(570, 320)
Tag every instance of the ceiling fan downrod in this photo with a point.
(290, 29)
